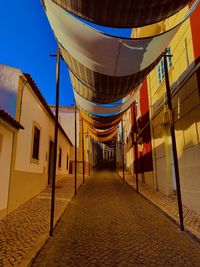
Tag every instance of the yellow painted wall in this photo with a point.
(128, 151)
(185, 97)
(160, 27)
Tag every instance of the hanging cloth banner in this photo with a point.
(100, 88)
(103, 133)
(101, 125)
(94, 108)
(104, 53)
(102, 139)
(123, 14)
(105, 68)
(104, 118)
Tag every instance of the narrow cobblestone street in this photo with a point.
(109, 224)
(23, 230)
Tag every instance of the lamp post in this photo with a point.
(83, 151)
(88, 152)
(75, 149)
(55, 143)
(135, 147)
(115, 151)
(173, 137)
(123, 149)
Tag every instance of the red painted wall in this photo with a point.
(195, 27)
(145, 162)
(144, 103)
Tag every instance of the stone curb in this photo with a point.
(29, 257)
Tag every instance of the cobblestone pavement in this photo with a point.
(22, 229)
(168, 204)
(109, 224)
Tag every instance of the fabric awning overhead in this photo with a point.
(102, 53)
(100, 118)
(100, 88)
(104, 68)
(123, 13)
(94, 108)
(103, 133)
(111, 122)
(103, 139)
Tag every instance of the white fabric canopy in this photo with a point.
(102, 53)
(93, 108)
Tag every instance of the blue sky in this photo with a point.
(27, 41)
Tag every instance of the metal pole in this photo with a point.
(88, 152)
(83, 152)
(176, 167)
(122, 148)
(136, 147)
(55, 144)
(92, 161)
(75, 150)
(115, 151)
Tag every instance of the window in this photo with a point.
(161, 71)
(161, 68)
(67, 165)
(60, 158)
(1, 142)
(169, 58)
(36, 143)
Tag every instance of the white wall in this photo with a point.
(66, 119)
(6, 139)
(31, 112)
(65, 151)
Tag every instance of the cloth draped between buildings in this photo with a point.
(133, 68)
(141, 139)
(119, 88)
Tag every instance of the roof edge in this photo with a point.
(44, 103)
(10, 120)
